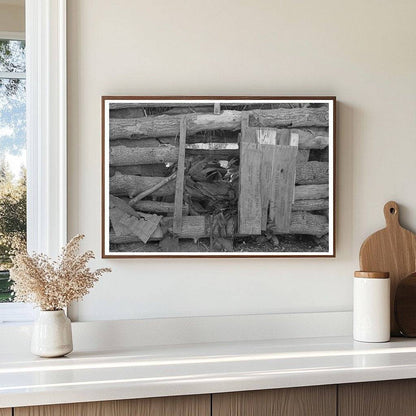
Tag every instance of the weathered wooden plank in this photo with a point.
(210, 137)
(249, 201)
(311, 191)
(250, 196)
(310, 138)
(156, 169)
(284, 137)
(123, 206)
(129, 185)
(116, 214)
(132, 112)
(126, 221)
(180, 178)
(310, 205)
(302, 156)
(283, 187)
(248, 134)
(152, 190)
(165, 125)
(143, 142)
(217, 154)
(189, 109)
(192, 226)
(128, 155)
(125, 156)
(266, 179)
(303, 222)
(200, 227)
(143, 227)
(132, 185)
(266, 136)
(291, 117)
(294, 141)
(158, 207)
(138, 104)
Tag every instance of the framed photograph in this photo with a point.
(218, 176)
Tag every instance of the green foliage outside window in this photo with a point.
(12, 223)
(12, 145)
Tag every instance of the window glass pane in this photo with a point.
(12, 56)
(12, 175)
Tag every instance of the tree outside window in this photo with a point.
(12, 156)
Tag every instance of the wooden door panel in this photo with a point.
(5, 412)
(160, 406)
(381, 398)
(301, 401)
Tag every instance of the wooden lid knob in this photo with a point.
(372, 275)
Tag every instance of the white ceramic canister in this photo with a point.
(52, 334)
(371, 307)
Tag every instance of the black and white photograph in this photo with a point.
(218, 176)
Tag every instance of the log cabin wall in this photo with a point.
(241, 172)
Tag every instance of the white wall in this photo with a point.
(361, 51)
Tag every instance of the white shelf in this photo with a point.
(151, 371)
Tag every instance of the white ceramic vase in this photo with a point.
(52, 334)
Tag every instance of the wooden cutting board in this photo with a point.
(393, 250)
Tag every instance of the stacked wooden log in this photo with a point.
(143, 157)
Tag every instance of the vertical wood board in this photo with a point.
(160, 406)
(283, 187)
(266, 180)
(5, 412)
(266, 135)
(248, 134)
(302, 156)
(249, 200)
(180, 177)
(300, 401)
(381, 398)
(284, 137)
(294, 141)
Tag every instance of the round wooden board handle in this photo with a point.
(391, 213)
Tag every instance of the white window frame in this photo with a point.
(46, 127)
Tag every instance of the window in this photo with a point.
(12, 153)
(45, 90)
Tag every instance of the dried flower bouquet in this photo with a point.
(53, 285)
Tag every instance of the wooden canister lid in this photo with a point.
(372, 275)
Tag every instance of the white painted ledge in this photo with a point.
(94, 375)
(170, 331)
